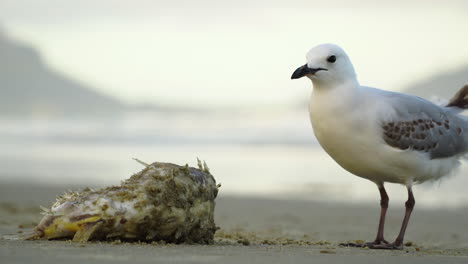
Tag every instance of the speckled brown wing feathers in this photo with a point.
(439, 137)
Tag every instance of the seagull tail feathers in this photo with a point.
(460, 99)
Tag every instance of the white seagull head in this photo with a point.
(327, 66)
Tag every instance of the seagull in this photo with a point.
(382, 136)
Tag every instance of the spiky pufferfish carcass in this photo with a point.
(163, 202)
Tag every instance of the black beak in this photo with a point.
(304, 70)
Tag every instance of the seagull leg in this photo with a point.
(383, 211)
(379, 240)
(409, 209)
(398, 244)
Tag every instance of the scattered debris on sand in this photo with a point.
(243, 237)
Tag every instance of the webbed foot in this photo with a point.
(391, 246)
(373, 244)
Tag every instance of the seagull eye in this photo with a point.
(331, 59)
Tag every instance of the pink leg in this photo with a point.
(383, 211)
(379, 240)
(398, 244)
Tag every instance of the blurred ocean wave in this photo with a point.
(267, 154)
(147, 128)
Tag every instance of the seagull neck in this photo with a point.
(349, 84)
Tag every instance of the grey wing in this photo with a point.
(422, 126)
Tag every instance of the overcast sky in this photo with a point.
(231, 53)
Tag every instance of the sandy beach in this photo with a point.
(252, 230)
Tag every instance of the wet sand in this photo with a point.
(253, 230)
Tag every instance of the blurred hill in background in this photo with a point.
(443, 85)
(28, 87)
